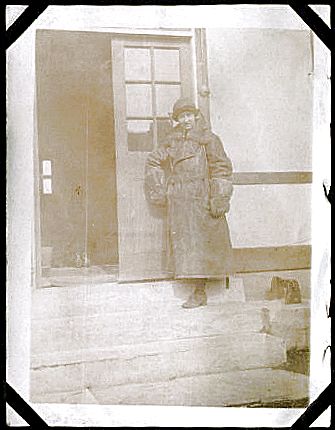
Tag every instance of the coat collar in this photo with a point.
(197, 134)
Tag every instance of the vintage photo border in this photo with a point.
(19, 386)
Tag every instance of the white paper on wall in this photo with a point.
(46, 167)
(47, 186)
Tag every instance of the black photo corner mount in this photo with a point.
(328, 193)
(21, 24)
(327, 36)
(21, 407)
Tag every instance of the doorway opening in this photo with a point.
(99, 95)
(77, 201)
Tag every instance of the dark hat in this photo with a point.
(183, 105)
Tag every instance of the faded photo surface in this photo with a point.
(171, 175)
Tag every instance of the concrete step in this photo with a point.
(148, 323)
(292, 324)
(152, 321)
(85, 298)
(154, 362)
(108, 336)
(78, 299)
(235, 388)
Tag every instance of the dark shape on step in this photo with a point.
(287, 289)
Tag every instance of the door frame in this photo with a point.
(38, 281)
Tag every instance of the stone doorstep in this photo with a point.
(90, 299)
(77, 300)
(145, 325)
(85, 299)
(259, 386)
(292, 323)
(155, 322)
(295, 338)
(127, 352)
(238, 387)
(297, 315)
(156, 362)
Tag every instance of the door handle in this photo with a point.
(78, 190)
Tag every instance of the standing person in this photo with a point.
(191, 174)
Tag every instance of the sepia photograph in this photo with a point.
(166, 208)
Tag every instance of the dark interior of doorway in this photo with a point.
(75, 130)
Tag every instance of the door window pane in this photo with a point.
(140, 135)
(137, 64)
(166, 95)
(166, 63)
(139, 100)
(164, 127)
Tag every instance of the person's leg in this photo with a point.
(198, 297)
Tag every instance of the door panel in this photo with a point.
(76, 134)
(149, 74)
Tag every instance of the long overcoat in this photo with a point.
(185, 173)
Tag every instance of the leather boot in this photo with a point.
(196, 299)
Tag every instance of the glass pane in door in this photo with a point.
(140, 135)
(166, 95)
(138, 100)
(167, 64)
(137, 64)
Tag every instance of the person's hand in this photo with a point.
(219, 206)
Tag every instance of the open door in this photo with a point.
(75, 161)
(149, 74)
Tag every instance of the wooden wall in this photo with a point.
(261, 105)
